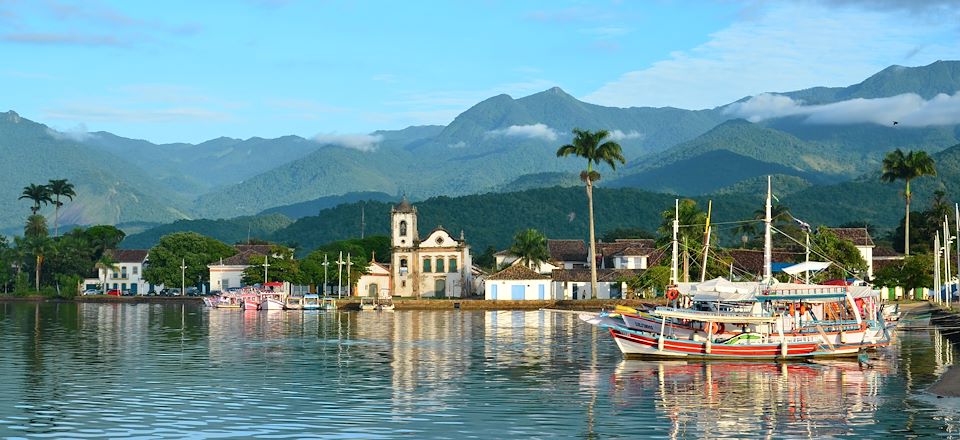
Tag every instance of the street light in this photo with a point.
(340, 264)
(183, 276)
(325, 264)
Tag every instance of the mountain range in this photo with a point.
(500, 145)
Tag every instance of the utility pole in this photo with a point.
(349, 282)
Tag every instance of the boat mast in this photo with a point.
(768, 240)
(676, 230)
(706, 243)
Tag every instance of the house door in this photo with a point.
(517, 293)
(133, 289)
(440, 288)
(373, 290)
(493, 292)
(541, 294)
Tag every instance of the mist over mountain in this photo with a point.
(820, 139)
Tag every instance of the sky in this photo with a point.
(179, 71)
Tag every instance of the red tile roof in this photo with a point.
(518, 272)
(567, 250)
(128, 255)
(859, 236)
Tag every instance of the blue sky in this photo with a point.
(192, 71)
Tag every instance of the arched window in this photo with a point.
(403, 228)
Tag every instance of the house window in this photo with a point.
(426, 265)
(403, 266)
(123, 271)
(453, 264)
(439, 265)
(403, 228)
(135, 269)
(403, 283)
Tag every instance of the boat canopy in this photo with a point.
(703, 316)
(721, 289)
(811, 266)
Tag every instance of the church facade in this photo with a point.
(438, 266)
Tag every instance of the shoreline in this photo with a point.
(948, 385)
(353, 303)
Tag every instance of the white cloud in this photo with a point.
(535, 131)
(116, 114)
(619, 135)
(908, 109)
(78, 133)
(458, 145)
(361, 142)
(784, 46)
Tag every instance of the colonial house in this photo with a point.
(438, 265)
(518, 282)
(126, 275)
(860, 238)
(376, 282)
(563, 254)
(228, 272)
(575, 283)
(628, 254)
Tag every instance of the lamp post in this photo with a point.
(325, 264)
(183, 276)
(349, 282)
(339, 273)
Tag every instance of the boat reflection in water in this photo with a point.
(722, 399)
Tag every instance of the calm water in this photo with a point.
(148, 371)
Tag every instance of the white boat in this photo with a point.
(270, 300)
(311, 302)
(367, 303)
(385, 304)
(328, 303)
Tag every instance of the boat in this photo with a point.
(367, 303)
(271, 301)
(385, 305)
(228, 301)
(328, 303)
(311, 302)
(293, 303)
(249, 299)
(751, 320)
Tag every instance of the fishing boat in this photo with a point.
(367, 303)
(249, 299)
(293, 302)
(764, 320)
(311, 302)
(228, 301)
(328, 303)
(271, 300)
(385, 305)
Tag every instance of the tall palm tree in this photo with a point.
(530, 245)
(59, 188)
(906, 167)
(591, 146)
(38, 246)
(38, 193)
(106, 263)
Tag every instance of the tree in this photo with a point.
(530, 246)
(193, 250)
(487, 259)
(843, 253)
(38, 193)
(103, 237)
(107, 264)
(914, 272)
(906, 167)
(59, 188)
(651, 280)
(6, 263)
(282, 267)
(587, 144)
(36, 226)
(38, 246)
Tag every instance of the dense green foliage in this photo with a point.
(913, 272)
(906, 167)
(530, 246)
(233, 230)
(188, 249)
(281, 266)
(846, 259)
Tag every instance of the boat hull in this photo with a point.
(271, 304)
(639, 344)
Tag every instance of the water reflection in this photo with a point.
(74, 370)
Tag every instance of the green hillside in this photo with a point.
(228, 231)
(109, 189)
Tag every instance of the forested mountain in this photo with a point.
(500, 144)
(109, 189)
(234, 230)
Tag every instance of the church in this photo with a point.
(438, 266)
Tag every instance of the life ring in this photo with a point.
(714, 328)
(672, 294)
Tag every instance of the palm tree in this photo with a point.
(38, 246)
(106, 263)
(906, 167)
(37, 193)
(587, 144)
(36, 226)
(690, 236)
(58, 188)
(530, 245)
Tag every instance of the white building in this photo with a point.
(518, 282)
(126, 275)
(376, 282)
(437, 266)
(228, 272)
(860, 238)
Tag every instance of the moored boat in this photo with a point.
(367, 303)
(328, 303)
(293, 303)
(385, 304)
(311, 302)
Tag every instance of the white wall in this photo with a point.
(503, 289)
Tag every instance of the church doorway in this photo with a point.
(440, 288)
(372, 291)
